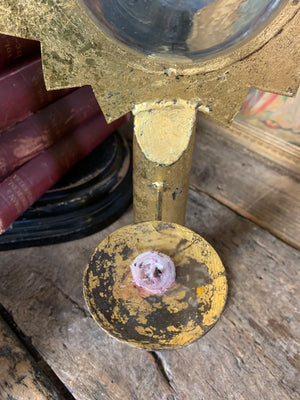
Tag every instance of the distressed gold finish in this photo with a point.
(134, 315)
(76, 52)
(163, 146)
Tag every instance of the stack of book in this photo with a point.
(43, 134)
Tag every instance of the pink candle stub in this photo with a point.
(153, 271)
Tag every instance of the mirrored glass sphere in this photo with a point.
(190, 28)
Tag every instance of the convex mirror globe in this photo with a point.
(191, 29)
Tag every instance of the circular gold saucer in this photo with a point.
(131, 314)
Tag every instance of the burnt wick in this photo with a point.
(153, 271)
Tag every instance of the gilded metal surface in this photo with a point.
(134, 315)
(163, 145)
(76, 52)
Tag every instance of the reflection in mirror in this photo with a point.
(189, 28)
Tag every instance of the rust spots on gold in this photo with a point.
(183, 314)
(218, 291)
(176, 303)
(94, 280)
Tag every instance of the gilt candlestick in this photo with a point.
(164, 60)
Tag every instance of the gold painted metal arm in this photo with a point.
(163, 146)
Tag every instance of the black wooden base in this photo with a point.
(92, 195)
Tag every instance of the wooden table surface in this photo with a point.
(51, 348)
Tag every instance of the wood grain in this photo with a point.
(251, 353)
(235, 177)
(262, 143)
(42, 288)
(20, 376)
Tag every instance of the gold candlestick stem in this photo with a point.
(163, 145)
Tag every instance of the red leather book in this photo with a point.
(23, 91)
(20, 190)
(13, 49)
(39, 131)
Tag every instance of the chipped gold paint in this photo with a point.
(132, 314)
(76, 52)
(219, 290)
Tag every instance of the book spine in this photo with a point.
(20, 190)
(26, 139)
(23, 92)
(13, 49)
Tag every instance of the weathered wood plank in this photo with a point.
(253, 351)
(250, 353)
(42, 288)
(20, 376)
(267, 146)
(265, 195)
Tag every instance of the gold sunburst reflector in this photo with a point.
(209, 51)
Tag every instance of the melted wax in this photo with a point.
(153, 271)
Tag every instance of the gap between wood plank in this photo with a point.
(202, 370)
(45, 368)
(160, 363)
(237, 177)
(67, 297)
(244, 214)
(48, 371)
